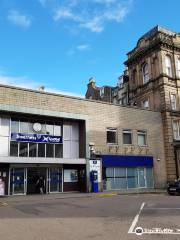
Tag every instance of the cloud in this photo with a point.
(25, 82)
(83, 47)
(43, 2)
(79, 48)
(93, 15)
(64, 13)
(18, 18)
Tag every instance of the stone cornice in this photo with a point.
(160, 40)
(146, 87)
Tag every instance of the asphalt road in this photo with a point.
(115, 217)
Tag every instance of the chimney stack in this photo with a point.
(42, 88)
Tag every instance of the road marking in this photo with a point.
(136, 218)
(106, 194)
(162, 208)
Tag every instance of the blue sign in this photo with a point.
(37, 138)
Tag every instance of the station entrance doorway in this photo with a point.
(34, 176)
(24, 179)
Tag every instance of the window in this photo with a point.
(32, 149)
(14, 126)
(127, 178)
(145, 72)
(41, 150)
(178, 65)
(173, 101)
(168, 66)
(102, 91)
(58, 150)
(145, 104)
(132, 177)
(14, 149)
(112, 135)
(24, 127)
(70, 175)
(50, 150)
(57, 130)
(176, 129)
(49, 129)
(127, 137)
(23, 149)
(141, 138)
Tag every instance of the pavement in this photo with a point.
(80, 195)
(90, 216)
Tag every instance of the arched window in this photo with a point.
(178, 65)
(145, 72)
(168, 66)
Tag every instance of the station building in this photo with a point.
(62, 138)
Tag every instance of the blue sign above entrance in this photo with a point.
(37, 138)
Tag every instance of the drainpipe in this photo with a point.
(176, 161)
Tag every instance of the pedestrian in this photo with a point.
(41, 185)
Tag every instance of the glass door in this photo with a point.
(55, 180)
(18, 181)
(141, 177)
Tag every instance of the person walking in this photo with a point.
(41, 185)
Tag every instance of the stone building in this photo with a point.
(104, 93)
(154, 83)
(153, 69)
(49, 135)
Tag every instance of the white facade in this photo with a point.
(70, 145)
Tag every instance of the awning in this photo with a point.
(126, 161)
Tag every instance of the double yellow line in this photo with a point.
(106, 194)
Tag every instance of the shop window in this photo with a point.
(15, 126)
(120, 178)
(132, 177)
(173, 101)
(142, 138)
(23, 149)
(58, 151)
(41, 150)
(168, 65)
(145, 72)
(127, 137)
(109, 172)
(70, 175)
(149, 178)
(50, 150)
(14, 149)
(111, 135)
(176, 129)
(32, 149)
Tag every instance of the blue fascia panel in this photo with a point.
(126, 161)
